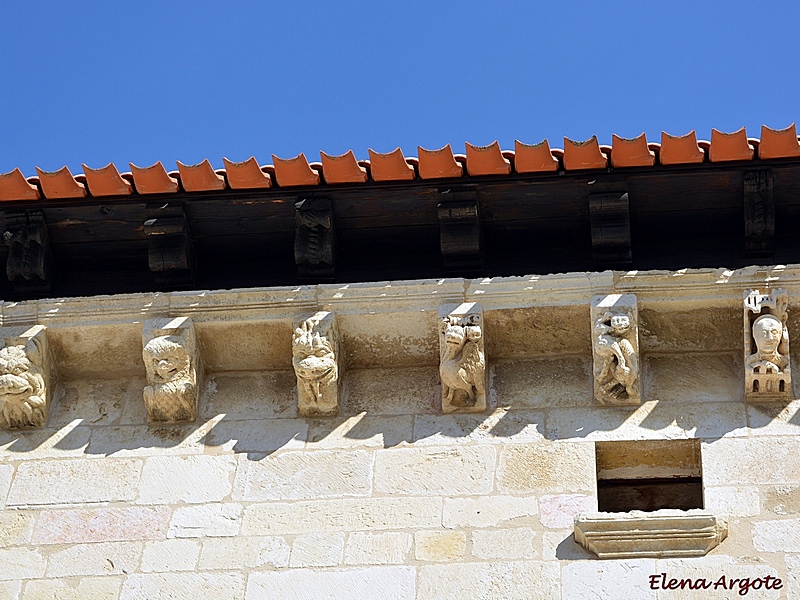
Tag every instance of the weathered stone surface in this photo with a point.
(317, 550)
(774, 418)
(709, 571)
(440, 546)
(97, 350)
(507, 544)
(42, 444)
(488, 511)
(491, 581)
(94, 401)
(777, 536)
(105, 558)
(6, 472)
(304, 475)
(138, 441)
(348, 514)
(584, 579)
(547, 468)
(21, 563)
(651, 420)
(246, 396)
(543, 382)
(406, 391)
(101, 525)
(464, 470)
(715, 377)
(379, 583)
(783, 499)
(9, 590)
(207, 520)
(537, 330)
(382, 548)
(190, 479)
(558, 511)
(561, 545)
(250, 345)
(500, 426)
(74, 482)
(87, 588)
(726, 501)
(360, 431)
(170, 555)
(257, 436)
(703, 328)
(166, 586)
(236, 553)
(15, 528)
(741, 461)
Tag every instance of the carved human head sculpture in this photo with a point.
(620, 324)
(22, 388)
(166, 359)
(312, 354)
(767, 333)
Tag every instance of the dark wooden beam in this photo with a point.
(610, 222)
(170, 253)
(314, 240)
(460, 234)
(759, 214)
(29, 265)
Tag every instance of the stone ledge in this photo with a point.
(658, 534)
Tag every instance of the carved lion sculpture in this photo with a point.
(314, 362)
(22, 389)
(171, 395)
(462, 366)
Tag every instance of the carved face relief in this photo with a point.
(767, 333)
(22, 389)
(620, 324)
(166, 359)
(312, 356)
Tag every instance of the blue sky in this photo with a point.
(96, 82)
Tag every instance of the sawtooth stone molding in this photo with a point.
(768, 375)
(615, 346)
(462, 366)
(27, 377)
(665, 533)
(317, 364)
(174, 370)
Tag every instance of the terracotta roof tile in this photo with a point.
(534, 158)
(631, 152)
(778, 143)
(391, 166)
(200, 177)
(438, 164)
(153, 179)
(487, 160)
(246, 175)
(680, 149)
(13, 186)
(342, 169)
(294, 171)
(106, 181)
(60, 184)
(583, 155)
(730, 146)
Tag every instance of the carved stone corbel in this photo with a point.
(29, 263)
(615, 349)
(170, 254)
(460, 236)
(318, 364)
(610, 219)
(462, 366)
(768, 372)
(759, 214)
(314, 240)
(174, 370)
(27, 377)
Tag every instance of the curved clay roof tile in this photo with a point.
(487, 160)
(343, 168)
(631, 152)
(534, 158)
(583, 155)
(730, 146)
(13, 186)
(60, 184)
(294, 171)
(106, 181)
(438, 164)
(390, 166)
(153, 179)
(778, 143)
(680, 149)
(246, 175)
(200, 177)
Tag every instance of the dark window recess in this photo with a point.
(649, 475)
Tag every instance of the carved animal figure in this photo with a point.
(462, 366)
(172, 394)
(620, 368)
(22, 389)
(314, 362)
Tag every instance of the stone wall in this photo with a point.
(389, 499)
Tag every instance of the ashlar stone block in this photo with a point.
(767, 368)
(174, 369)
(615, 347)
(318, 364)
(462, 364)
(27, 377)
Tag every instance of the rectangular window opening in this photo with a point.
(649, 475)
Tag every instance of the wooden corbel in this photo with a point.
(170, 254)
(29, 266)
(460, 236)
(610, 220)
(314, 240)
(759, 214)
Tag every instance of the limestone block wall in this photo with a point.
(389, 499)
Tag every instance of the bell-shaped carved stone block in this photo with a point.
(27, 377)
(318, 364)
(462, 365)
(174, 370)
(767, 369)
(615, 348)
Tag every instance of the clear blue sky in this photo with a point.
(143, 81)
